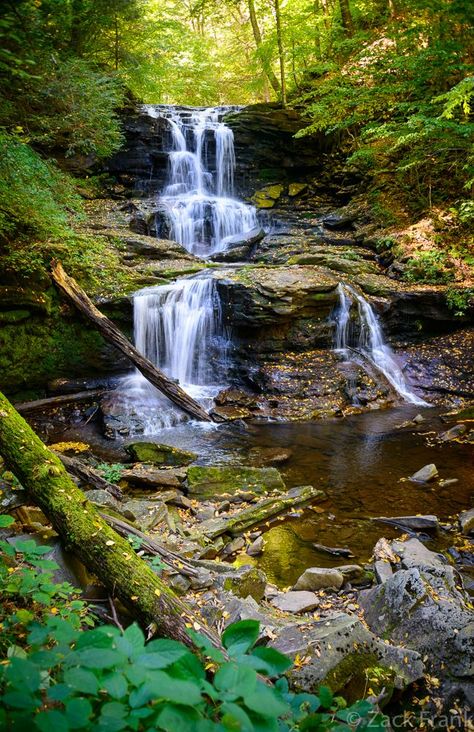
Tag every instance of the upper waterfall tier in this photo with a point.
(198, 198)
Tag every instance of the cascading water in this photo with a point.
(179, 328)
(367, 340)
(198, 199)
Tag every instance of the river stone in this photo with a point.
(247, 582)
(466, 522)
(209, 482)
(296, 601)
(416, 523)
(270, 455)
(383, 571)
(413, 553)
(295, 188)
(425, 609)
(256, 547)
(159, 454)
(425, 474)
(457, 431)
(145, 514)
(146, 476)
(340, 650)
(267, 197)
(104, 499)
(352, 572)
(319, 578)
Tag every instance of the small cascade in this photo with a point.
(198, 199)
(179, 328)
(365, 338)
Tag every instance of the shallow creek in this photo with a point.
(361, 462)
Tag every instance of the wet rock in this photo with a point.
(159, 454)
(424, 608)
(466, 522)
(296, 602)
(294, 189)
(242, 244)
(247, 582)
(270, 455)
(260, 512)
(267, 196)
(256, 547)
(448, 481)
(210, 481)
(340, 652)
(413, 553)
(425, 474)
(338, 221)
(415, 523)
(11, 496)
(352, 573)
(319, 578)
(383, 571)
(144, 514)
(236, 397)
(233, 546)
(418, 419)
(229, 413)
(334, 551)
(104, 499)
(453, 433)
(179, 583)
(145, 476)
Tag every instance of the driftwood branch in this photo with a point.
(111, 333)
(83, 530)
(58, 401)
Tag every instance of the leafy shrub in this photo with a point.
(428, 267)
(111, 472)
(35, 196)
(59, 675)
(459, 299)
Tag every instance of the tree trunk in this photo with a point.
(346, 17)
(84, 532)
(59, 401)
(112, 334)
(268, 71)
(281, 52)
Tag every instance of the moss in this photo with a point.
(207, 482)
(359, 671)
(158, 454)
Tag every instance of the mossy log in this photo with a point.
(111, 333)
(85, 533)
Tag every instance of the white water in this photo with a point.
(198, 198)
(368, 340)
(179, 328)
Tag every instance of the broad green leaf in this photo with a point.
(20, 700)
(236, 679)
(325, 696)
(174, 717)
(23, 674)
(6, 520)
(115, 685)
(265, 701)
(270, 661)
(234, 717)
(52, 720)
(135, 636)
(81, 680)
(98, 658)
(240, 637)
(162, 686)
(77, 712)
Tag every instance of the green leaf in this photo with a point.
(161, 686)
(23, 674)
(174, 717)
(240, 636)
(6, 521)
(271, 661)
(115, 685)
(98, 658)
(20, 700)
(265, 701)
(135, 636)
(238, 680)
(51, 720)
(325, 696)
(234, 717)
(78, 712)
(81, 680)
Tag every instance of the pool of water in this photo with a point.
(360, 462)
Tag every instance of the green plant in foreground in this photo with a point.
(57, 674)
(459, 299)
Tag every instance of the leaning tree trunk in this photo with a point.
(82, 529)
(281, 52)
(111, 333)
(266, 64)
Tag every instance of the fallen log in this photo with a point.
(111, 333)
(58, 401)
(80, 526)
(89, 475)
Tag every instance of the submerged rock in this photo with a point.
(209, 481)
(159, 454)
(453, 433)
(319, 578)
(416, 523)
(425, 474)
(247, 582)
(466, 522)
(270, 455)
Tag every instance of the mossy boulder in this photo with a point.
(247, 581)
(211, 481)
(267, 197)
(156, 453)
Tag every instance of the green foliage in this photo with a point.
(112, 472)
(58, 674)
(428, 267)
(35, 197)
(459, 299)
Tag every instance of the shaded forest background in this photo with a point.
(390, 79)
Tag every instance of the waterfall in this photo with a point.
(179, 328)
(367, 339)
(198, 198)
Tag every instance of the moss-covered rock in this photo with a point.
(267, 196)
(245, 582)
(156, 453)
(211, 481)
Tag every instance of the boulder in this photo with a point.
(415, 523)
(320, 578)
(294, 189)
(423, 606)
(247, 239)
(256, 547)
(342, 653)
(145, 514)
(338, 221)
(158, 454)
(453, 433)
(267, 196)
(296, 602)
(383, 571)
(425, 474)
(146, 476)
(212, 481)
(104, 499)
(466, 522)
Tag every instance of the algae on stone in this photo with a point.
(209, 481)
